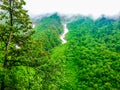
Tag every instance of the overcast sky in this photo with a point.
(84, 7)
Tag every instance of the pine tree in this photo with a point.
(15, 30)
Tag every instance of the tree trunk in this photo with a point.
(7, 48)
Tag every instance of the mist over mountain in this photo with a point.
(91, 56)
(71, 17)
(58, 51)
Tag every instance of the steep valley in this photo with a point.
(90, 57)
(58, 51)
(76, 53)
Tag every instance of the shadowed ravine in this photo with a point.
(62, 36)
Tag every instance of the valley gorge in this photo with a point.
(83, 54)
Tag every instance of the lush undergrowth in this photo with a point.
(90, 60)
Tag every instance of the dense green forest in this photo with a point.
(36, 59)
(48, 30)
(91, 55)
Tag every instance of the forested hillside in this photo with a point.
(48, 30)
(91, 55)
(36, 59)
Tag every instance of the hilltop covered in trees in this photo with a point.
(90, 60)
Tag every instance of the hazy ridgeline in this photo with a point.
(89, 60)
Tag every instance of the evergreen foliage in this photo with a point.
(48, 31)
(36, 59)
(91, 59)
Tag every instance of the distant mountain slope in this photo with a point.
(48, 30)
(103, 31)
(91, 58)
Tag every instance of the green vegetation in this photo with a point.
(12, 32)
(36, 59)
(25, 64)
(48, 30)
(91, 56)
